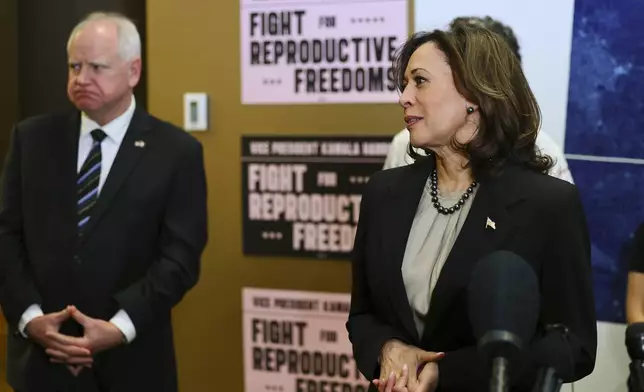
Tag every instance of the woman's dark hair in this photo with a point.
(486, 72)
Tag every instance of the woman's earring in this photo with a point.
(470, 110)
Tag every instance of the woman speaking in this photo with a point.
(482, 187)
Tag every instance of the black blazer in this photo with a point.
(537, 216)
(140, 252)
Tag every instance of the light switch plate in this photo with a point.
(195, 111)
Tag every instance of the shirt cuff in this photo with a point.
(125, 325)
(31, 313)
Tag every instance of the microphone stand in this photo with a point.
(504, 348)
(547, 378)
(636, 376)
(499, 379)
(547, 381)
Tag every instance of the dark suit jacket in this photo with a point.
(636, 253)
(140, 251)
(538, 217)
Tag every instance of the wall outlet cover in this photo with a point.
(195, 111)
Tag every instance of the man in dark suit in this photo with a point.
(102, 227)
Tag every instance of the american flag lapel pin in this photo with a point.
(490, 223)
(139, 144)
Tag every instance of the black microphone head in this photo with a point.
(503, 303)
(635, 340)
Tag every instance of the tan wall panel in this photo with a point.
(194, 46)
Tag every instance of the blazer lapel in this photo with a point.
(128, 155)
(399, 216)
(65, 163)
(486, 227)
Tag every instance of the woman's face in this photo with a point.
(435, 111)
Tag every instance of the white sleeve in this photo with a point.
(397, 155)
(548, 146)
(31, 313)
(123, 322)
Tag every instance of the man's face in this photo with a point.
(98, 77)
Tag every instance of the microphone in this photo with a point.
(503, 312)
(553, 366)
(635, 346)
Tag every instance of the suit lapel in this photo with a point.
(126, 159)
(476, 238)
(65, 164)
(398, 218)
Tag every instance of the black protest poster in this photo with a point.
(301, 194)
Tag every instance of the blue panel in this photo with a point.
(612, 195)
(606, 93)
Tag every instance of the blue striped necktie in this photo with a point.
(88, 180)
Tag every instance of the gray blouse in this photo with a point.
(430, 241)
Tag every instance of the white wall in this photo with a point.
(544, 31)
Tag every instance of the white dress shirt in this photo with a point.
(115, 131)
(397, 155)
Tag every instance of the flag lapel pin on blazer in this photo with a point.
(490, 223)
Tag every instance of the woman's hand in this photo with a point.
(395, 355)
(427, 380)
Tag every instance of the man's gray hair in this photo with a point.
(128, 35)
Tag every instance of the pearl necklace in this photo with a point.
(455, 207)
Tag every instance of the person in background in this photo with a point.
(635, 289)
(102, 225)
(482, 187)
(635, 285)
(398, 154)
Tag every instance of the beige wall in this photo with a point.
(194, 46)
